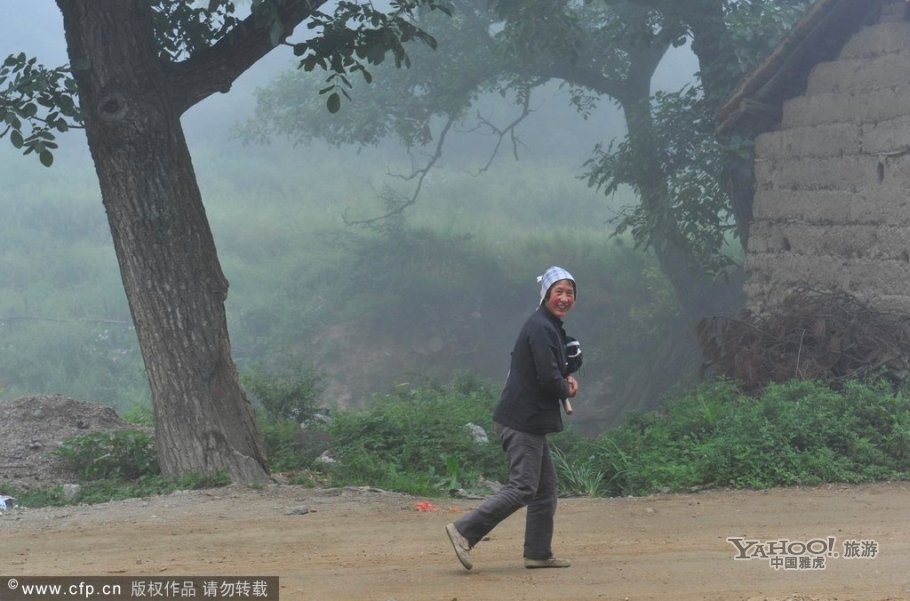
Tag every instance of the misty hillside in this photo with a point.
(440, 290)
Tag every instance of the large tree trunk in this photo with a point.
(695, 289)
(711, 39)
(164, 245)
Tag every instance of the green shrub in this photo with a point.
(290, 394)
(578, 477)
(283, 445)
(414, 440)
(286, 398)
(795, 433)
(140, 415)
(120, 455)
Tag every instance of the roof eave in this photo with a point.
(756, 105)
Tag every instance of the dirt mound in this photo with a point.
(31, 428)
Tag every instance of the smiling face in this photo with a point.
(560, 298)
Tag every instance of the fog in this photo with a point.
(277, 212)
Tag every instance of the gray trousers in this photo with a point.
(532, 482)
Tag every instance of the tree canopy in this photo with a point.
(694, 189)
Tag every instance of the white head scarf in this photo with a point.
(551, 276)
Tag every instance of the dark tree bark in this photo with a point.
(132, 101)
(696, 291)
(711, 39)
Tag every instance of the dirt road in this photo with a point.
(363, 545)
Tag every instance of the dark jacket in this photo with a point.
(530, 400)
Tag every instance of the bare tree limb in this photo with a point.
(508, 129)
(419, 174)
(399, 205)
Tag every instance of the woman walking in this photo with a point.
(528, 410)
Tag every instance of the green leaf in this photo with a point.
(46, 158)
(333, 103)
(16, 139)
(375, 54)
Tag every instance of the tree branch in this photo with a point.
(480, 27)
(399, 205)
(215, 69)
(510, 128)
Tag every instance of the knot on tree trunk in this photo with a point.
(113, 106)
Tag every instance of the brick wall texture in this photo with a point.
(832, 203)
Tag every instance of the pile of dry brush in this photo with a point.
(812, 335)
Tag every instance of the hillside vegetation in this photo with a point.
(441, 290)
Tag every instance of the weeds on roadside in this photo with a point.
(120, 455)
(578, 477)
(415, 440)
(104, 490)
(140, 414)
(287, 395)
(712, 436)
(795, 433)
(112, 466)
(284, 399)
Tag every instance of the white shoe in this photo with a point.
(461, 546)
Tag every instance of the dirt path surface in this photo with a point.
(356, 544)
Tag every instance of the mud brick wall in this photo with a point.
(832, 204)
